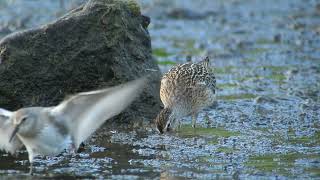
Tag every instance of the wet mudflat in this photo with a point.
(266, 123)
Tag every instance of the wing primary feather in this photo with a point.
(86, 112)
(113, 102)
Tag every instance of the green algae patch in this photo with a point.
(265, 41)
(213, 141)
(226, 150)
(310, 140)
(250, 78)
(237, 96)
(160, 52)
(314, 171)
(166, 63)
(255, 51)
(276, 68)
(306, 141)
(262, 129)
(187, 46)
(248, 59)
(277, 72)
(227, 85)
(134, 7)
(211, 159)
(277, 77)
(223, 70)
(279, 163)
(188, 130)
(266, 163)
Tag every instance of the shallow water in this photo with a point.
(266, 124)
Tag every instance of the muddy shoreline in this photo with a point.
(267, 121)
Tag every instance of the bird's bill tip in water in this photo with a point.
(160, 130)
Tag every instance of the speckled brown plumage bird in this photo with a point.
(185, 89)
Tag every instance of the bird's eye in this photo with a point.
(23, 119)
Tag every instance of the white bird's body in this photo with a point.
(50, 130)
(47, 141)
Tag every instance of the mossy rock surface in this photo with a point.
(101, 43)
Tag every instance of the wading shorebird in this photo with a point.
(185, 89)
(48, 131)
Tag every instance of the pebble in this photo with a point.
(277, 38)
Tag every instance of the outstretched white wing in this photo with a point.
(6, 128)
(86, 112)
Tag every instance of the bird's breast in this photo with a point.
(48, 142)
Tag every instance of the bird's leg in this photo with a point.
(31, 169)
(179, 124)
(72, 149)
(194, 119)
(207, 119)
(31, 158)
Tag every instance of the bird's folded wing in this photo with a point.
(86, 112)
(6, 129)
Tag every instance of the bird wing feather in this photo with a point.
(86, 112)
(6, 128)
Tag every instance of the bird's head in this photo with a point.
(163, 120)
(24, 121)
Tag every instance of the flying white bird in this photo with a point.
(49, 131)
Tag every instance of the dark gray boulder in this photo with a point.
(101, 43)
